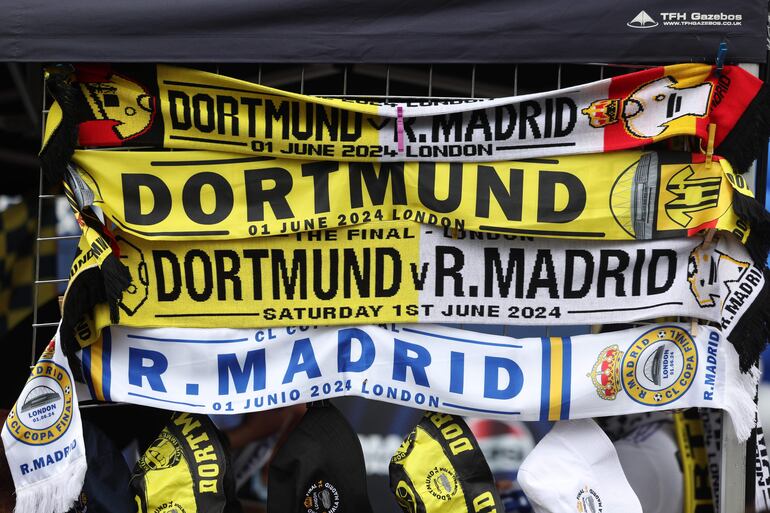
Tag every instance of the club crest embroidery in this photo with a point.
(652, 108)
(43, 412)
(656, 370)
(118, 120)
(705, 274)
(321, 497)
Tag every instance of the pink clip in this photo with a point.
(400, 128)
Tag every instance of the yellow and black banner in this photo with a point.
(690, 437)
(170, 107)
(440, 467)
(612, 196)
(185, 469)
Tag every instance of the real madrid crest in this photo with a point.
(656, 370)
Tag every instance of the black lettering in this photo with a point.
(543, 259)
(203, 104)
(191, 198)
(320, 172)
(257, 195)
(652, 272)
(227, 107)
(449, 271)
(319, 272)
(281, 275)
(158, 256)
(570, 257)
(381, 255)
(546, 201)
(426, 187)
(605, 273)
(132, 208)
(227, 272)
(376, 183)
(256, 256)
(176, 123)
(352, 269)
(190, 274)
(509, 199)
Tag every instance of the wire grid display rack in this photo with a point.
(393, 82)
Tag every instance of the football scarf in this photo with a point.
(43, 438)
(651, 368)
(404, 272)
(439, 467)
(693, 456)
(712, 423)
(616, 196)
(169, 107)
(186, 469)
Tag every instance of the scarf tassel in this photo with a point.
(750, 335)
(752, 211)
(94, 286)
(59, 148)
(748, 138)
(56, 494)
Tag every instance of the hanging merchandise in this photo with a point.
(575, 468)
(439, 468)
(403, 272)
(613, 196)
(170, 107)
(712, 425)
(186, 469)
(43, 438)
(423, 366)
(690, 437)
(320, 468)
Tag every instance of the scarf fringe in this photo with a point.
(750, 335)
(739, 397)
(748, 138)
(752, 211)
(61, 145)
(103, 284)
(56, 494)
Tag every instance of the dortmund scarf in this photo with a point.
(617, 196)
(439, 467)
(169, 107)
(403, 272)
(43, 438)
(651, 368)
(186, 469)
(693, 455)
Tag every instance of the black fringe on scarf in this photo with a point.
(750, 335)
(61, 145)
(748, 138)
(88, 287)
(94, 286)
(758, 219)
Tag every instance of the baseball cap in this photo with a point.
(186, 469)
(439, 468)
(648, 456)
(575, 468)
(105, 488)
(320, 468)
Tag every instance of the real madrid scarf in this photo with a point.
(651, 368)
(403, 272)
(43, 438)
(164, 106)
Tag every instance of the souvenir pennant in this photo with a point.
(423, 366)
(614, 196)
(405, 272)
(171, 107)
(43, 438)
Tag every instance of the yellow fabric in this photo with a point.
(688, 429)
(206, 195)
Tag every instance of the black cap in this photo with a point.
(320, 468)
